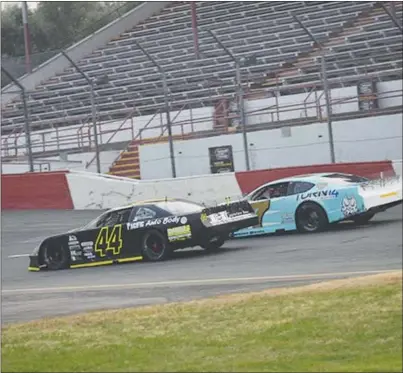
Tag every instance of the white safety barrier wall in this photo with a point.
(92, 191)
(82, 190)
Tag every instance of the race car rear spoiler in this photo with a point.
(235, 207)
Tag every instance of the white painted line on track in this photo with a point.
(18, 255)
(194, 282)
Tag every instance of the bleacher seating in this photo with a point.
(371, 44)
(359, 35)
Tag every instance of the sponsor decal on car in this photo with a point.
(390, 194)
(226, 216)
(135, 225)
(171, 219)
(76, 255)
(260, 208)
(322, 194)
(89, 255)
(218, 218)
(87, 244)
(158, 221)
(250, 231)
(349, 206)
(238, 213)
(75, 248)
(179, 233)
(72, 238)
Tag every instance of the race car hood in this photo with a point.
(381, 192)
(37, 247)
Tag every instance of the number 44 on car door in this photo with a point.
(109, 241)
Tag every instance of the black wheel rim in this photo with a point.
(310, 219)
(54, 255)
(154, 246)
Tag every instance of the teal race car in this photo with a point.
(309, 203)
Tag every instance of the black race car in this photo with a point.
(149, 230)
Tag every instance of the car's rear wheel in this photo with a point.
(363, 219)
(310, 218)
(55, 256)
(214, 243)
(155, 246)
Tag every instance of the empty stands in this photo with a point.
(359, 36)
(371, 44)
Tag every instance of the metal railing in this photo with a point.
(114, 132)
(67, 139)
(80, 134)
(133, 137)
(164, 128)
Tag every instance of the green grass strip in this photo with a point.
(350, 325)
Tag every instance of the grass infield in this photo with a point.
(350, 325)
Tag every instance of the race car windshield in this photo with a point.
(180, 208)
(93, 223)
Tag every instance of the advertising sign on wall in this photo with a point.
(367, 96)
(221, 159)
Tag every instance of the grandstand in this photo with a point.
(360, 39)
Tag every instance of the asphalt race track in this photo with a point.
(242, 265)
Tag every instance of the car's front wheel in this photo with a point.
(155, 246)
(310, 218)
(55, 256)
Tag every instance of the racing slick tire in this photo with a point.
(55, 256)
(155, 246)
(363, 219)
(311, 218)
(214, 243)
